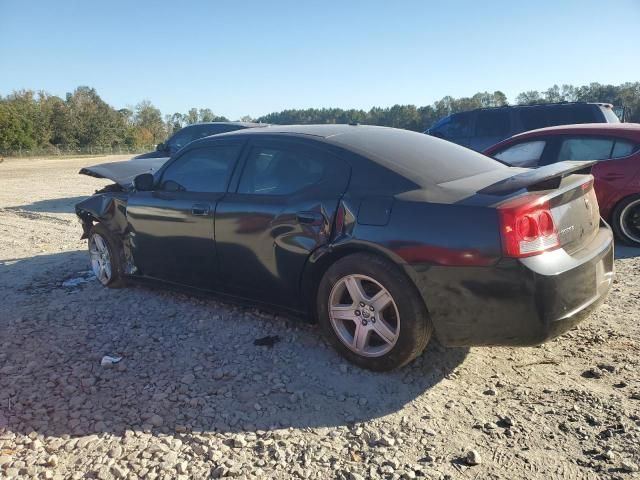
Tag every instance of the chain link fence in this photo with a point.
(62, 151)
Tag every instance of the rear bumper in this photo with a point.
(517, 302)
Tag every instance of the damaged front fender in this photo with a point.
(109, 209)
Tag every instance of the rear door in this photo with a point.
(172, 227)
(616, 166)
(286, 197)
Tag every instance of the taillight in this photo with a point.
(527, 227)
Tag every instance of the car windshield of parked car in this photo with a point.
(204, 169)
(594, 149)
(191, 133)
(454, 126)
(525, 154)
(270, 171)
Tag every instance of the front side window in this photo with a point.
(275, 171)
(525, 154)
(204, 169)
(493, 123)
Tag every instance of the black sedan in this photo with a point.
(383, 236)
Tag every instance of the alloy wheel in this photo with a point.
(364, 315)
(630, 221)
(100, 258)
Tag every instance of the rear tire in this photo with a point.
(625, 220)
(371, 313)
(107, 257)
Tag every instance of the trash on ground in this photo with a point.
(110, 360)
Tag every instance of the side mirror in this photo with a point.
(161, 147)
(144, 182)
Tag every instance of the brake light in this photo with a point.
(527, 227)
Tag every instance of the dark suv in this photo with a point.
(481, 128)
(193, 132)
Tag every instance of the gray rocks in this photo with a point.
(473, 458)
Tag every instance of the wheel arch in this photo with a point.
(323, 258)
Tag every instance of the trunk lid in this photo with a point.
(575, 212)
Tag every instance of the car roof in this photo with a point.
(240, 124)
(536, 105)
(586, 127)
(623, 130)
(413, 155)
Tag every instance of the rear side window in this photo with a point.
(571, 114)
(283, 171)
(586, 149)
(201, 170)
(525, 154)
(493, 123)
(533, 118)
(622, 148)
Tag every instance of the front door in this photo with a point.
(172, 227)
(282, 210)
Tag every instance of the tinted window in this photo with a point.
(493, 123)
(194, 132)
(533, 118)
(201, 170)
(525, 154)
(273, 171)
(571, 114)
(455, 126)
(585, 149)
(622, 148)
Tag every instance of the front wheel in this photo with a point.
(371, 313)
(106, 256)
(626, 220)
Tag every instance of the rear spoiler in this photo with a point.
(543, 178)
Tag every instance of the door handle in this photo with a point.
(310, 218)
(200, 209)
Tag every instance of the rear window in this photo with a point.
(420, 158)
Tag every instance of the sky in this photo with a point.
(256, 57)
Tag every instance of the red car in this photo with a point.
(617, 174)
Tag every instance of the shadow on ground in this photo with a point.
(187, 363)
(53, 205)
(624, 251)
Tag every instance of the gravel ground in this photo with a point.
(193, 397)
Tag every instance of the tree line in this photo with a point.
(31, 121)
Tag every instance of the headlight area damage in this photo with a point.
(109, 209)
(108, 206)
